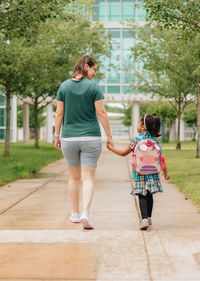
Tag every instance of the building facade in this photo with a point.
(13, 121)
(115, 15)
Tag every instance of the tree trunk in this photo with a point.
(198, 119)
(178, 141)
(8, 109)
(36, 143)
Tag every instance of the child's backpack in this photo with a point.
(147, 157)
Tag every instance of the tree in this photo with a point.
(41, 117)
(35, 61)
(190, 117)
(19, 23)
(178, 14)
(57, 48)
(183, 16)
(169, 64)
(21, 18)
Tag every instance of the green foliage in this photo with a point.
(41, 117)
(178, 14)
(113, 109)
(190, 115)
(127, 120)
(41, 54)
(186, 176)
(170, 66)
(25, 161)
(19, 18)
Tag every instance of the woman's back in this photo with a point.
(80, 116)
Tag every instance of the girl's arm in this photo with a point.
(120, 152)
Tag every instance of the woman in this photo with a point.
(79, 100)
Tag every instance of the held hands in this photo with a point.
(109, 146)
(57, 143)
(110, 142)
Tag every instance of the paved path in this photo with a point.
(37, 242)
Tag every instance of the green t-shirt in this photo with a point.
(80, 116)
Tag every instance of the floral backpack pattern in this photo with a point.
(147, 157)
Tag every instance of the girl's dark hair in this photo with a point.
(79, 67)
(152, 124)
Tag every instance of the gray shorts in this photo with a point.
(81, 153)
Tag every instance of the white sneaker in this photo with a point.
(75, 217)
(149, 221)
(86, 221)
(144, 224)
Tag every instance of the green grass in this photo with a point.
(184, 170)
(184, 144)
(25, 161)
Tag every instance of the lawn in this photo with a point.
(25, 160)
(184, 169)
(184, 144)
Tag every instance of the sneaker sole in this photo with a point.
(74, 221)
(86, 225)
(144, 227)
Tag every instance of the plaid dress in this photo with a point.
(144, 183)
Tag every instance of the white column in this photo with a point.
(135, 118)
(49, 123)
(26, 131)
(182, 129)
(14, 114)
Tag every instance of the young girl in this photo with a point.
(145, 185)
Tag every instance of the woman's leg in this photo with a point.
(149, 204)
(87, 176)
(74, 187)
(143, 206)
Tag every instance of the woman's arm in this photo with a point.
(103, 117)
(58, 122)
(121, 152)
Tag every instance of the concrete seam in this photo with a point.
(29, 194)
(139, 216)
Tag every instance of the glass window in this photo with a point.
(2, 134)
(98, 13)
(2, 99)
(2, 117)
(128, 90)
(113, 10)
(128, 42)
(114, 59)
(128, 12)
(113, 89)
(113, 78)
(141, 13)
(125, 78)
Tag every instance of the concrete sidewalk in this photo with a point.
(37, 242)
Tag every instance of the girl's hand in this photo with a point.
(167, 176)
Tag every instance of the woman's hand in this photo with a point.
(109, 146)
(110, 141)
(57, 143)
